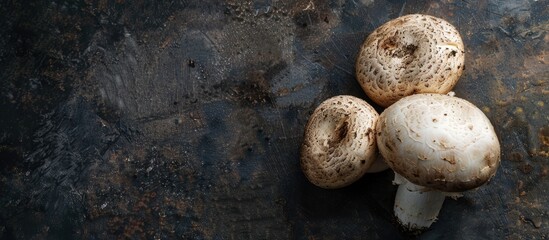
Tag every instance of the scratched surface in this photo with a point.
(134, 119)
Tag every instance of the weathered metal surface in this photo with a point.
(134, 119)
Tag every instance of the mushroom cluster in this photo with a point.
(438, 145)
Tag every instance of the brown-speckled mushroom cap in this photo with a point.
(411, 54)
(438, 141)
(339, 142)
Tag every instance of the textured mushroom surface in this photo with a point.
(438, 141)
(339, 142)
(410, 54)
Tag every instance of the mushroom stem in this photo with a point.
(416, 207)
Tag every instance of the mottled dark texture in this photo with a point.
(183, 119)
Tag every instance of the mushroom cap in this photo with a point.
(438, 141)
(411, 54)
(339, 143)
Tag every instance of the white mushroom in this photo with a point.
(438, 146)
(411, 54)
(339, 142)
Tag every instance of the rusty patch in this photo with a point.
(544, 136)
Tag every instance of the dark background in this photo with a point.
(182, 119)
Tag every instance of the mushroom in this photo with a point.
(339, 142)
(438, 146)
(411, 54)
